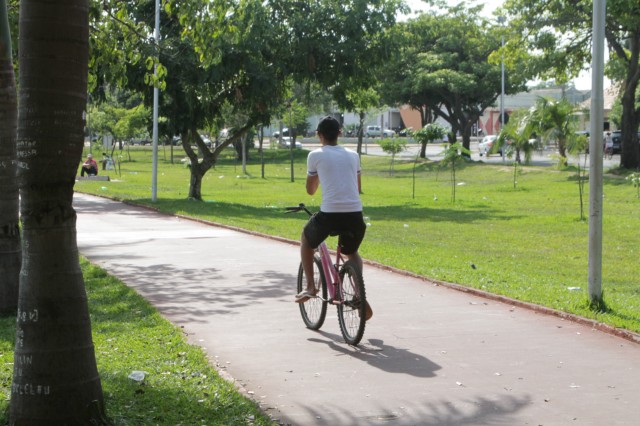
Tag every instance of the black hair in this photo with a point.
(329, 127)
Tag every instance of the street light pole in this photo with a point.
(291, 140)
(156, 95)
(595, 153)
(501, 20)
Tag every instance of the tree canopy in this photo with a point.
(236, 57)
(443, 67)
(554, 39)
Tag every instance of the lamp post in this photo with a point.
(156, 94)
(595, 153)
(501, 20)
(291, 139)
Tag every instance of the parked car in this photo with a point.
(207, 141)
(285, 132)
(224, 133)
(286, 143)
(139, 141)
(486, 143)
(373, 131)
(616, 137)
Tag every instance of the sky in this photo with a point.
(583, 82)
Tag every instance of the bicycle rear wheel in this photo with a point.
(314, 310)
(351, 312)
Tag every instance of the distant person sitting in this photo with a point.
(90, 167)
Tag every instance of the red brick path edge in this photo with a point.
(596, 325)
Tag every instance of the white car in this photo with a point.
(485, 144)
(286, 143)
(373, 131)
(285, 132)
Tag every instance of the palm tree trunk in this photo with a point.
(55, 378)
(10, 250)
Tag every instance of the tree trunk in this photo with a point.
(630, 157)
(261, 138)
(466, 132)
(55, 378)
(10, 250)
(200, 167)
(562, 147)
(195, 184)
(244, 154)
(361, 117)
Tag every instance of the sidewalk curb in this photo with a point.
(596, 325)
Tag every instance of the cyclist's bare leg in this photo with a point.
(306, 255)
(356, 258)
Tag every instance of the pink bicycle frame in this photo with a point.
(331, 272)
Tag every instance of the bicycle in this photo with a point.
(345, 289)
(608, 152)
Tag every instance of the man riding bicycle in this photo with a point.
(337, 170)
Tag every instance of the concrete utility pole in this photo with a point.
(501, 21)
(156, 95)
(595, 153)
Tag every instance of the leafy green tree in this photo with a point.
(393, 146)
(429, 134)
(634, 179)
(361, 101)
(443, 67)
(216, 53)
(133, 123)
(55, 377)
(10, 249)
(337, 43)
(454, 153)
(554, 39)
(107, 119)
(577, 145)
(203, 71)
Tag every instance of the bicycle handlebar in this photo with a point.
(299, 207)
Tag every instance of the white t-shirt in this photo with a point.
(608, 141)
(338, 169)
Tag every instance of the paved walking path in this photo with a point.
(430, 355)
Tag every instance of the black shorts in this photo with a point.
(349, 227)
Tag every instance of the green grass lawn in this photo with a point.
(527, 242)
(181, 386)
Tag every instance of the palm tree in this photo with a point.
(554, 120)
(10, 250)
(55, 377)
(516, 136)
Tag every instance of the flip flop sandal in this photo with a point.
(304, 296)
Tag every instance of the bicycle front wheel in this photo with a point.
(352, 309)
(314, 310)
